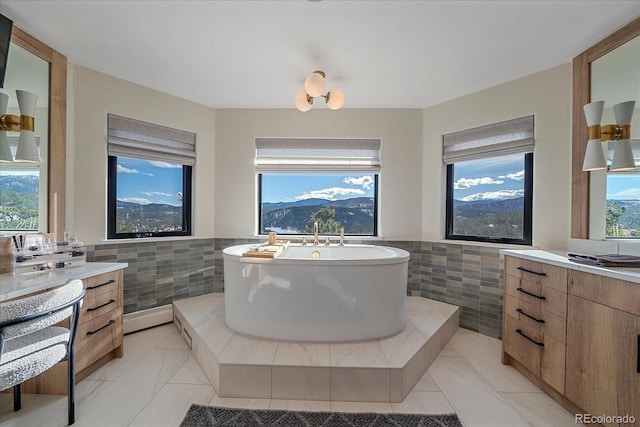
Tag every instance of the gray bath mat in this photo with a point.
(212, 416)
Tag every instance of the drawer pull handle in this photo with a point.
(531, 271)
(529, 293)
(638, 355)
(519, 310)
(541, 344)
(101, 284)
(111, 301)
(111, 322)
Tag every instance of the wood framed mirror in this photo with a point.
(56, 159)
(580, 191)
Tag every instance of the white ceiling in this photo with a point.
(381, 54)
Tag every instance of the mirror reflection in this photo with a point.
(615, 196)
(23, 186)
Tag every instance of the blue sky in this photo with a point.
(294, 187)
(144, 182)
(495, 178)
(623, 186)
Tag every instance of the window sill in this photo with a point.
(152, 239)
(486, 244)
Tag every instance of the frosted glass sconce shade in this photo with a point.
(27, 149)
(594, 158)
(623, 156)
(593, 112)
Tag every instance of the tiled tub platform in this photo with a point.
(375, 371)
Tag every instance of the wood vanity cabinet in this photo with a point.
(99, 335)
(603, 342)
(534, 320)
(98, 338)
(575, 334)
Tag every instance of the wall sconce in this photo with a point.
(313, 87)
(27, 150)
(595, 158)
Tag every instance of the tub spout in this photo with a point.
(327, 242)
(304, 241)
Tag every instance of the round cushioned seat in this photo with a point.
(30, 355)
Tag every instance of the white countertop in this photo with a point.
(18, 286)
(560, 259)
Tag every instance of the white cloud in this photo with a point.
(330, 193)
(138, 200)
(465, 183)
(494, 195)
(165, 165)
(122, 169)
(364, 181)
(629, 193)
(157, 193)
(518, 176)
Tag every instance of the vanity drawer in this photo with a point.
(614, 293)
(98, 337)
(537, 272)
(100, 304)
(102, 283)
(523, 289)
(518, 341)
(527, 315)
(554, 301)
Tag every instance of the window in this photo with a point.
(490, 183)
(623, 204)
(330, 181)
(150, 168)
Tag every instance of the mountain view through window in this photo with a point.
(291, 203)
(19, 200)
(489, 197)
(623, 205)
(149, 196)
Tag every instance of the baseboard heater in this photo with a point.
(144, 319)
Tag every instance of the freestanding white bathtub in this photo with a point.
(317, 293)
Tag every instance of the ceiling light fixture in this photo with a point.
(595, 157)
(314, 87)
(27, 150)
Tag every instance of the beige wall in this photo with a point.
(547, 95)
(400, 132)
(412, 179)
(92, 96)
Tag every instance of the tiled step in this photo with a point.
(382, 370)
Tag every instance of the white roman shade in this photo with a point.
(142, 140)
(497, 139)
(321, 155)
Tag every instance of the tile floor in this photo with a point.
(158, 379)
